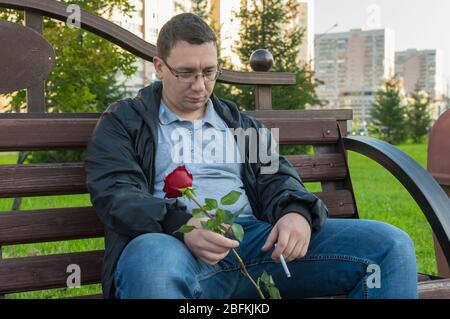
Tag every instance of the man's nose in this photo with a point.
(199, 83)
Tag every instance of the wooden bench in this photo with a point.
(324, 130)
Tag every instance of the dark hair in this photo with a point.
(183, 27)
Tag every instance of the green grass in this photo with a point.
(16, 251)
(379, 196)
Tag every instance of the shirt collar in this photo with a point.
(167, 116)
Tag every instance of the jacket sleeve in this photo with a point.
(119, 188)
(282, 191)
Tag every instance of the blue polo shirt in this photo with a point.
(208, 150)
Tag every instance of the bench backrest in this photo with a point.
(21, 132)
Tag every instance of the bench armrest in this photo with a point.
(430, 197)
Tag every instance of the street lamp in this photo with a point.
(331, 28)
(326, 32)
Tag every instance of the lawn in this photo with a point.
(378, 194)
(381, 197)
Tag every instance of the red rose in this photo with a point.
(178, 178)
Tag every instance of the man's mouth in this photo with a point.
(195, 99)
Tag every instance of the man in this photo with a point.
(131, 152)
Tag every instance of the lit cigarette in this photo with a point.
(283, 263)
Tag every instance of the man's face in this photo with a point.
(187, 98)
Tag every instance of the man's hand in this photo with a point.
(206, 245)
(291, 233)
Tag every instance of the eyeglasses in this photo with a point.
(191, 77)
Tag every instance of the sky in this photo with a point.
(420, 24)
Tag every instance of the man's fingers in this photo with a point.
(211, 247)
(212, 258)
(304, 250)
(282, 242)
(220, 240)
(288, 251)
(270, 241)
(296, 252)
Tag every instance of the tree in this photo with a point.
(270, 24)
(198, 7)
(85, 75)
(204, 10)
(419, 119)
(388, 113)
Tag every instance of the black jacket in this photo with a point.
(120, 178)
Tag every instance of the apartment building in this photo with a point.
(353, 66)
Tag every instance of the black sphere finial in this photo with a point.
(261, 60)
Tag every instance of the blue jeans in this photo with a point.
(340, 260)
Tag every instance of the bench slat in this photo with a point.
(45, 272)
(304, 131)
(340, 203)
(338, 114)
(72, 133)
(33, 226)
(319, 167)
(42, 179)
(434, 289)
(431, 289)
(45, 133)
(70, 178)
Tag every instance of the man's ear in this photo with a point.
(158, 64)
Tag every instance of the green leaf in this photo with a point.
(220, 215)
(274, 293)
(238, 231)
(185, 229)
(230, 198)
(226, 216)
(210, 204)
(197, 213)
(269, 286)
(265, 278)
(210, 224)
